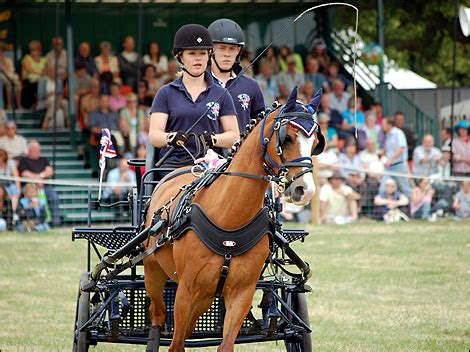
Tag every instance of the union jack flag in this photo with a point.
(107, 148)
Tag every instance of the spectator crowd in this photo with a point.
(115, 89)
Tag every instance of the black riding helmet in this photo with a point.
(192, 36)
(226, 31)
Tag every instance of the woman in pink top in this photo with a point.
(116, 100)
(421, 199)
(461, 150)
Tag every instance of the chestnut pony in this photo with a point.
(230, 202)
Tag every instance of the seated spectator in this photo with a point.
(129, 62)
(446, 134)
(268, 82)
(350, 163)
(32, 67)
(245, 62)
(155, 58)
(353, 118)
(143, 136)
(116, 192)
(420, 206)
(47, 95)
(390, 204)
(171, 74)
(396, 154)
(81, 80)
(284, 53)
(313, 75)
(338, 97)
(370, 128)
(8, 169)
(37, 167)
(107, 62)
(270, 56)
(58, 56)
(6, 215)
(290, 78)
(32, 211)
(14, 144)
(462, 201)
(333, 74)
(426, 158)
(320, 54)
(338, 202)
(307, 90)
(461, 150)
(369, 155)
(89, 102)
(145, 101)
(116, 100)
(377, 108)
(409, 134)
(10, 79)
(85, 59)
(331, 137)
(152, 81)
(335, 116)
(134, 118)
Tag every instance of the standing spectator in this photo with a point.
(32, 211)
(116, 192)
(156, 59)
(396, 152)
(84, 57)
(10, 79)
(284, 53)
(60, 53)
(6, 215)
(390, 204)
(32, 69)
(461, 150)
(313, 75)
(130, 62)
(107, 62)
(48, 91)
(338, 97)
(420, 206)
(268, 83)
(134, 118)
(116, 100)
(378, 109)
(350, 166)
(335, 116)
(152, 81)
(14, 144)
(338, 202)
(290, 78)
(319, 52)
(8, 169)
(446, 134)
(37, 167)
(426, 157)
(409, 134)
(462, 201)
(370, 129)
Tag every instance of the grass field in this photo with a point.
(402, 287)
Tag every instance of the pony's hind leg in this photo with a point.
(155, 279)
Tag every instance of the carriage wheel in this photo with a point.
(298, 303)
(80, 339)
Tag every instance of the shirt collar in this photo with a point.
(178, 83)
(232, 76)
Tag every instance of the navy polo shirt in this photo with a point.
(247, 97)
(173, 99)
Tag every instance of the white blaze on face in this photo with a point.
(306, 146)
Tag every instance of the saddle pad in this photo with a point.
(222, 241)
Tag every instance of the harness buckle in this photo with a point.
(277, 125)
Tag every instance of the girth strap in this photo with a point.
(223, 275)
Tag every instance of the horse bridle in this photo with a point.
(279, 129)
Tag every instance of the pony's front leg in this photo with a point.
(184, 304)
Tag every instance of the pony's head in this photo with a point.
(289, 137)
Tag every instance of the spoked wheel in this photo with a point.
(298, 303)
(80, 338)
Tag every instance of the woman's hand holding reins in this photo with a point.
(176, 139)
(208, 138)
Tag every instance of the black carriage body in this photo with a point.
(115, 308)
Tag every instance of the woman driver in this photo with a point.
(180, 103)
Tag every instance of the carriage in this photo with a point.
(113, 304)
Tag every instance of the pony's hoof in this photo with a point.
(154, 339)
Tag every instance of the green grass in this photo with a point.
(402, 287)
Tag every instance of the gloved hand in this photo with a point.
(209, 139)
(176, 139)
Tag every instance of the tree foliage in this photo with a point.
(418, 36)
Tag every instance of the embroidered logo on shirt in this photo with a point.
(214, 110)
(244, 100)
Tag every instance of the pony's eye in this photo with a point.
(288, 140)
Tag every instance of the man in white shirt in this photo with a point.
(426, 157)
(338, 97)
(14, 144)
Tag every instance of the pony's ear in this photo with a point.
(312, 106)
(291, 101)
